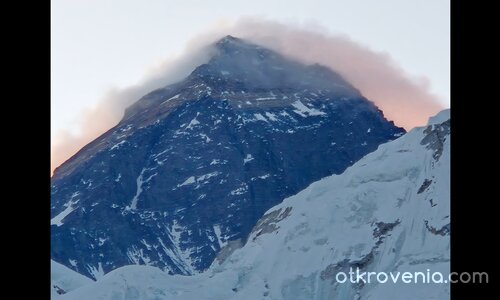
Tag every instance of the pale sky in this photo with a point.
(100, 44)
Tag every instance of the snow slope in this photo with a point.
(64, 280)
(388, 212)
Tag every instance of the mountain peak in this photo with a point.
(241, 63)
(230, 45)
(228, 39)
(192, 166)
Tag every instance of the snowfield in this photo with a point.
(389, 212)
(64, 280)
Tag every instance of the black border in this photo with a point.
(473, 155)
(26, 116)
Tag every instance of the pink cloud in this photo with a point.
(404, 99)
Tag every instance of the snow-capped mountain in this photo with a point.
(388, 212)
(192, 166)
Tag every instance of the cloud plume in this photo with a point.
(110, 108)
(404, 99)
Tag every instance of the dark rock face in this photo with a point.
(194, 165)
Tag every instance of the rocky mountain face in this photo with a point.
(193, 166)
(389, 212)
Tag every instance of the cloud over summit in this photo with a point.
(404, 99)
